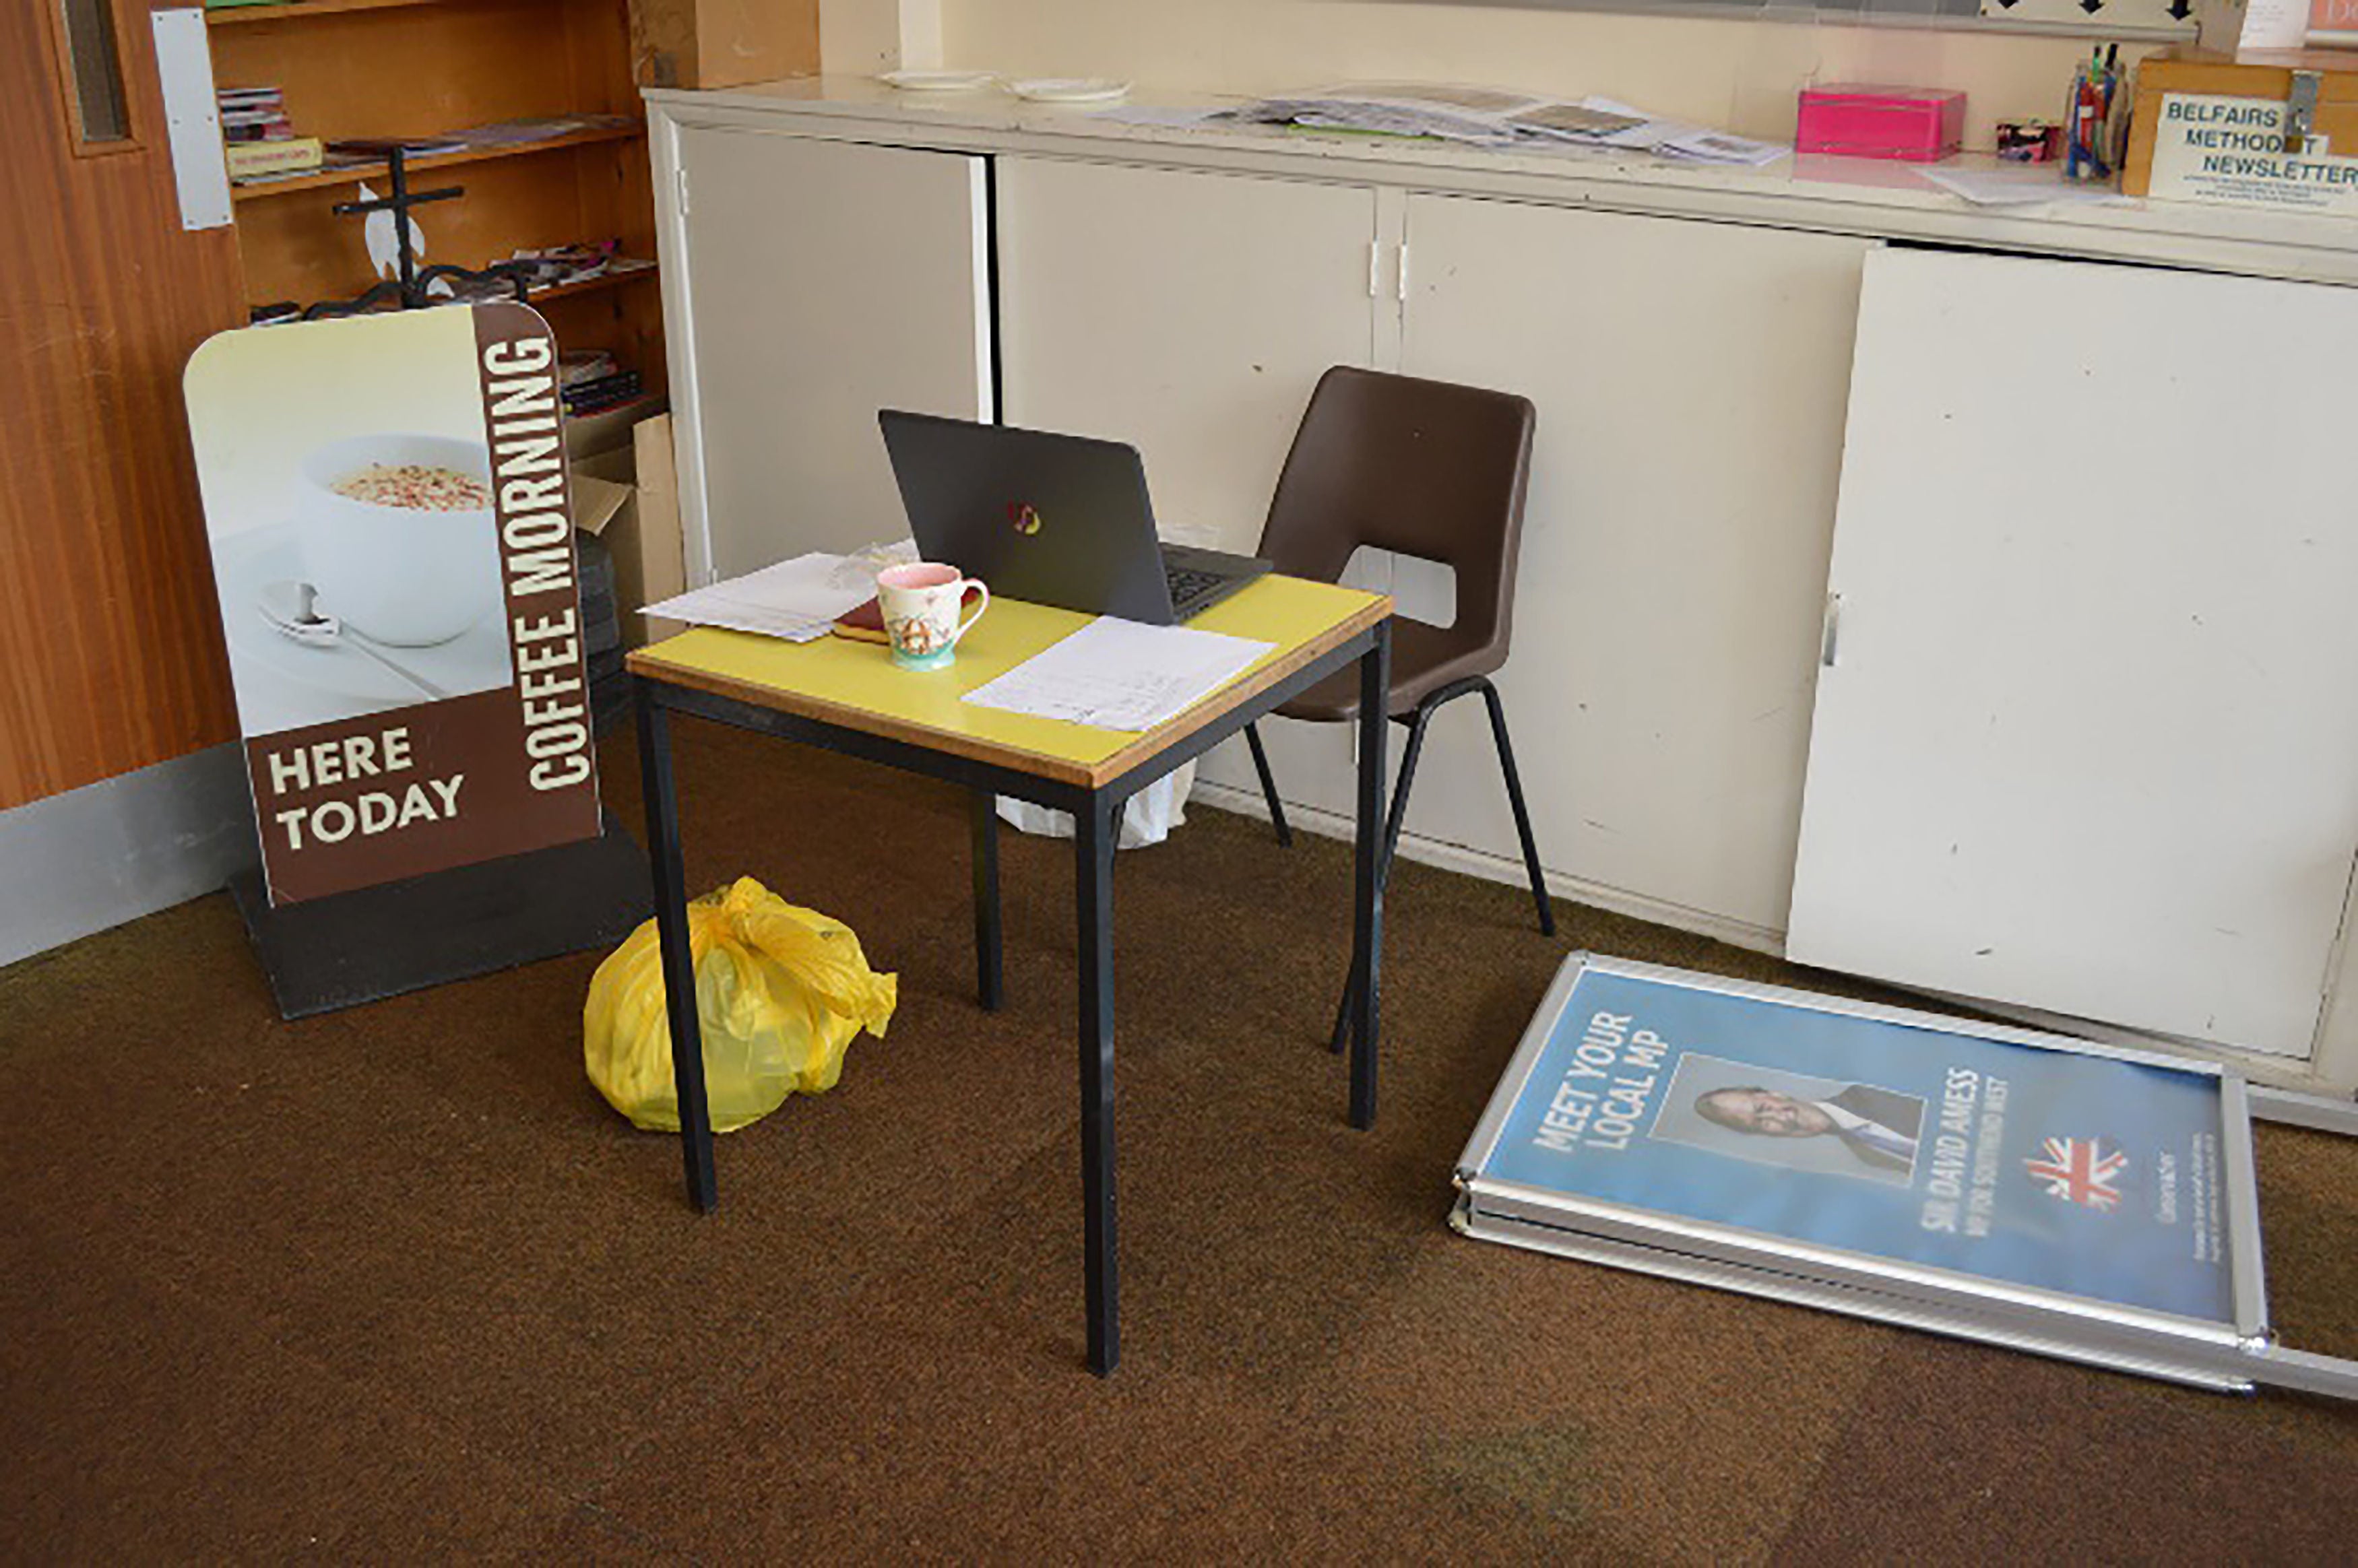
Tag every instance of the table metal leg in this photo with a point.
(990, 979)
(1094, 829)
(678, 964)
(1367, 905)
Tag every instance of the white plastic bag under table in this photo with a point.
(1147, 818)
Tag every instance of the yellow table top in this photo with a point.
(855, 684)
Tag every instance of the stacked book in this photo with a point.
(254, 115)
(591, 382)
(261, 140)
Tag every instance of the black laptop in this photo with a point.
(1059, 520)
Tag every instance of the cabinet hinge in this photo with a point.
(1830, 632)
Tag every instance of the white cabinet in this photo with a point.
(1667, 622)
(2087, 745)
(1689, 380)
(2087, 739)
(808, 284)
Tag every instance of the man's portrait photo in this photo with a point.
(1788, 1118)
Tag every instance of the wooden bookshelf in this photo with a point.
(279, 185)
(416, 69)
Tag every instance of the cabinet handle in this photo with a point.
(1829, 633)
(1403, 272)
(1375, 268)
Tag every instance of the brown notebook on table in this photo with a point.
(866, 624)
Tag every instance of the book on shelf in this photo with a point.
(498, 136)
(263, 160)
(380, 148)
(577, 366)
(606, 392)
(253, 114)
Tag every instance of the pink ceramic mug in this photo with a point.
(920, 604)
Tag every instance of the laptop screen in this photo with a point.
(1060, 520)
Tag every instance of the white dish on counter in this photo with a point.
(938, 80)
(1069, 90)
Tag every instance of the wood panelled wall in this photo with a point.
(111, 653)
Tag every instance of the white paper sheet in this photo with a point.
(2275, 25)
(1120, 675)
(796, 600)
(1172, 119)
(2020, 185)
(1722, 147)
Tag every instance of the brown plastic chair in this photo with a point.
(1427, 468)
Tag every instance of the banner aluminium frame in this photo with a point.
(2233, 1351)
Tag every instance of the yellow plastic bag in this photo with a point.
(780, 992)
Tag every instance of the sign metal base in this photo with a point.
(371, 942)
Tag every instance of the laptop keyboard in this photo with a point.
(1187, 582)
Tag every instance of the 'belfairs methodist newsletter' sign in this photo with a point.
(393, 547)
(1797, 1119)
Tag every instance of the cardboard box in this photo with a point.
(722, 43)
(2207, 128)
(628, 495)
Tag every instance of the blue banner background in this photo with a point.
(2161, 1246)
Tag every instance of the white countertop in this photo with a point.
(1860, 196)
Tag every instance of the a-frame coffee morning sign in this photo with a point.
(393, 549)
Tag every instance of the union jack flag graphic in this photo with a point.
(2080, 1170)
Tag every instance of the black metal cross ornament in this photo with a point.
(408, 285)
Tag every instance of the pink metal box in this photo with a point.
(1921, 124)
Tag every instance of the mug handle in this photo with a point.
(967, 624)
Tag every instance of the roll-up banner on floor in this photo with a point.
(392, 549)
(2086, 1201)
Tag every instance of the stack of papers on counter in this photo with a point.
(796, 600)
(1487, 117)
(1120, 675)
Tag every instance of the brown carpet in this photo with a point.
(396, 1285)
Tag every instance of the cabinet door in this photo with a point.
(2086, 740)
(824, 280)
(1690, 381)
(1188, 314)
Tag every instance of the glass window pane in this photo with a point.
(97, 72)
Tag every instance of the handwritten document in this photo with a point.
(1120, 675)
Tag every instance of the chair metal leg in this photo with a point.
(1522, 813)
(1269, 786)
(1399, 813)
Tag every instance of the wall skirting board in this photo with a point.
(96, 857)
(1500, 869)
(2273, 1070)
